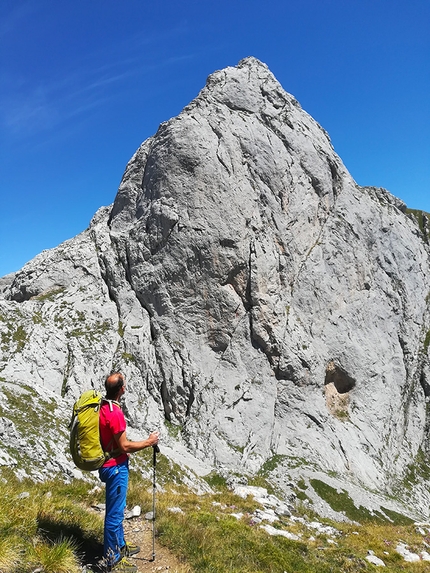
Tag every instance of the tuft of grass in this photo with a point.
(59, 557)
(128, 358)
(427, 341)
(121, 329)
(37, 318)
(422, 218)
(49, 295)
(9, 558)
(215, 481)
(174, 430)
(271, 464)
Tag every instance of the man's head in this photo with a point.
(115, 386)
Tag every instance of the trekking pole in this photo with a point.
(155, 451)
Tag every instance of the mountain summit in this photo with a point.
(268, 312)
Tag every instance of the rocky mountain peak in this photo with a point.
(266, 310)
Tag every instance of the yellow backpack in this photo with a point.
(85, 445)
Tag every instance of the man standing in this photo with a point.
(114, 473)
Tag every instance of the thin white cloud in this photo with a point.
(28, 108)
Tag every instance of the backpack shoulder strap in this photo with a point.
(112, 453)
(111, 402)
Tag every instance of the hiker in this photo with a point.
(114, 473)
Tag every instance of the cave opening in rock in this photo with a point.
(340, 379)
(337, 386)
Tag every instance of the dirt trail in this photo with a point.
(139, 532)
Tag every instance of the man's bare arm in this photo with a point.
(128, 447)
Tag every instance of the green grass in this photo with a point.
(211, 540)
(271, 464)
(224, 544)
(215, 481)
(341, 502)
(92, 333)
(427, 341)
(14, 339)
(37, 318)
(48, 529)
(127, 358)
(422, 219)
(59, 557)
(54, 526)
(50, 295)
(31, 415)
(121, 329)
(417, 471)
(174, 430)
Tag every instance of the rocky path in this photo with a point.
(139, 532)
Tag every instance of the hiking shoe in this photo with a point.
(124, 566)
(129, 549)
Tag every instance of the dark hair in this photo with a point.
(113, 384)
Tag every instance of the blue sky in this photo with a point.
(83, 83)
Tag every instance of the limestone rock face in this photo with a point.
(260, 302)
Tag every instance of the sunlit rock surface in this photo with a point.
(269, 313)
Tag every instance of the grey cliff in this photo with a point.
(267, 311)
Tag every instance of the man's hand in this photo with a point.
(153, 438)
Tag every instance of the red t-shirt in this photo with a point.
(111, 423)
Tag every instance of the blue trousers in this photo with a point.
(116, 480)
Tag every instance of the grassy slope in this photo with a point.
(48, 529)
